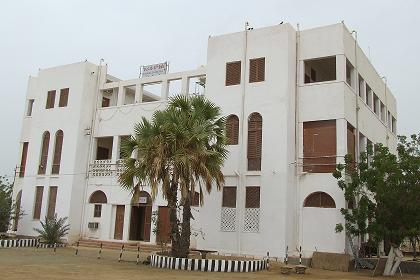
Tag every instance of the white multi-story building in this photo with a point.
(296, 103)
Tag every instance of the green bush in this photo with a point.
(53, 229)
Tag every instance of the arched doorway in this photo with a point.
(141, 215)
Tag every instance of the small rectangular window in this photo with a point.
(52, 199)
(97, 211)
(257, 70)
(64, 97)
(30, 107)
(229, 197)
(38, 202)
(233, 73)
(50, 99)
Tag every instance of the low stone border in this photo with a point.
(207, 264)
(28, 242)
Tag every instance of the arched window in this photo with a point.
(319, 199)
(254, 141)
(57, 152)
(98, 198)
(232, 129)
(17, 210)
(44, 153)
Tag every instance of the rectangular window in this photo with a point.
(30, 107)
(376, 104)
(23, 159)
(369, 98)
(64, 97)
(228, 211)
(319, 146)
(97, 211)
(52, 198)
(252, 209)
(38, 202)
(233, 73)
(362, 88)
(349, 74)
(351, 143)
(252, 199)
(394, 125)
(50, 99)
(229, 197)
(257, 70)
(320, 70)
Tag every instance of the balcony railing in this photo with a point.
(105, 168)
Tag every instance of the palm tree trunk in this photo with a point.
(175, 235)
(186, 228)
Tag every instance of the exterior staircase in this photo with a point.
(114, 245)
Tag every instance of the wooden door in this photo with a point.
(147, 222)
(164, 228)
(119, 222)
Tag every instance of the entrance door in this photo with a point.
(119, 222)
(164, 228)
(140, 223)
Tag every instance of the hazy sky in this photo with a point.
(41, 34)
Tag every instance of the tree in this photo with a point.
(8, 209)
(53, 229)
(180, 150)
(386, 188)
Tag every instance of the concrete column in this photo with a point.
(164, 90)
(126, 229)
(139, 93)
(184, 85)
(115, 148)
(341, 129)
(155, 207)
(341, 67)
(120, 96)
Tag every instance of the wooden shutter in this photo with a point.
(44, 153)
(52, 198)
(252, 197)
(229, 197)
(351, 144)
(257, 70)
(50, 99)
(97, 211)
(64, 97)
(319, 146)
(23, 159)
(57, 152)
(320, 200)
(233, 73)
(195, 199)
(38, 202)
(98, 197)
(232, 130)
(254, 141)
(105, 102)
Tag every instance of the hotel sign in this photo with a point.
(154, 69)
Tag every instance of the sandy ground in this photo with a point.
(31, 263)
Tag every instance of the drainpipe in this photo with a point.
(242, 161)
(297, 142)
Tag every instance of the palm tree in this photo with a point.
(180, 150)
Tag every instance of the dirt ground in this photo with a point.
(31, 263)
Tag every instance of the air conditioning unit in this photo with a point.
(93, 225)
